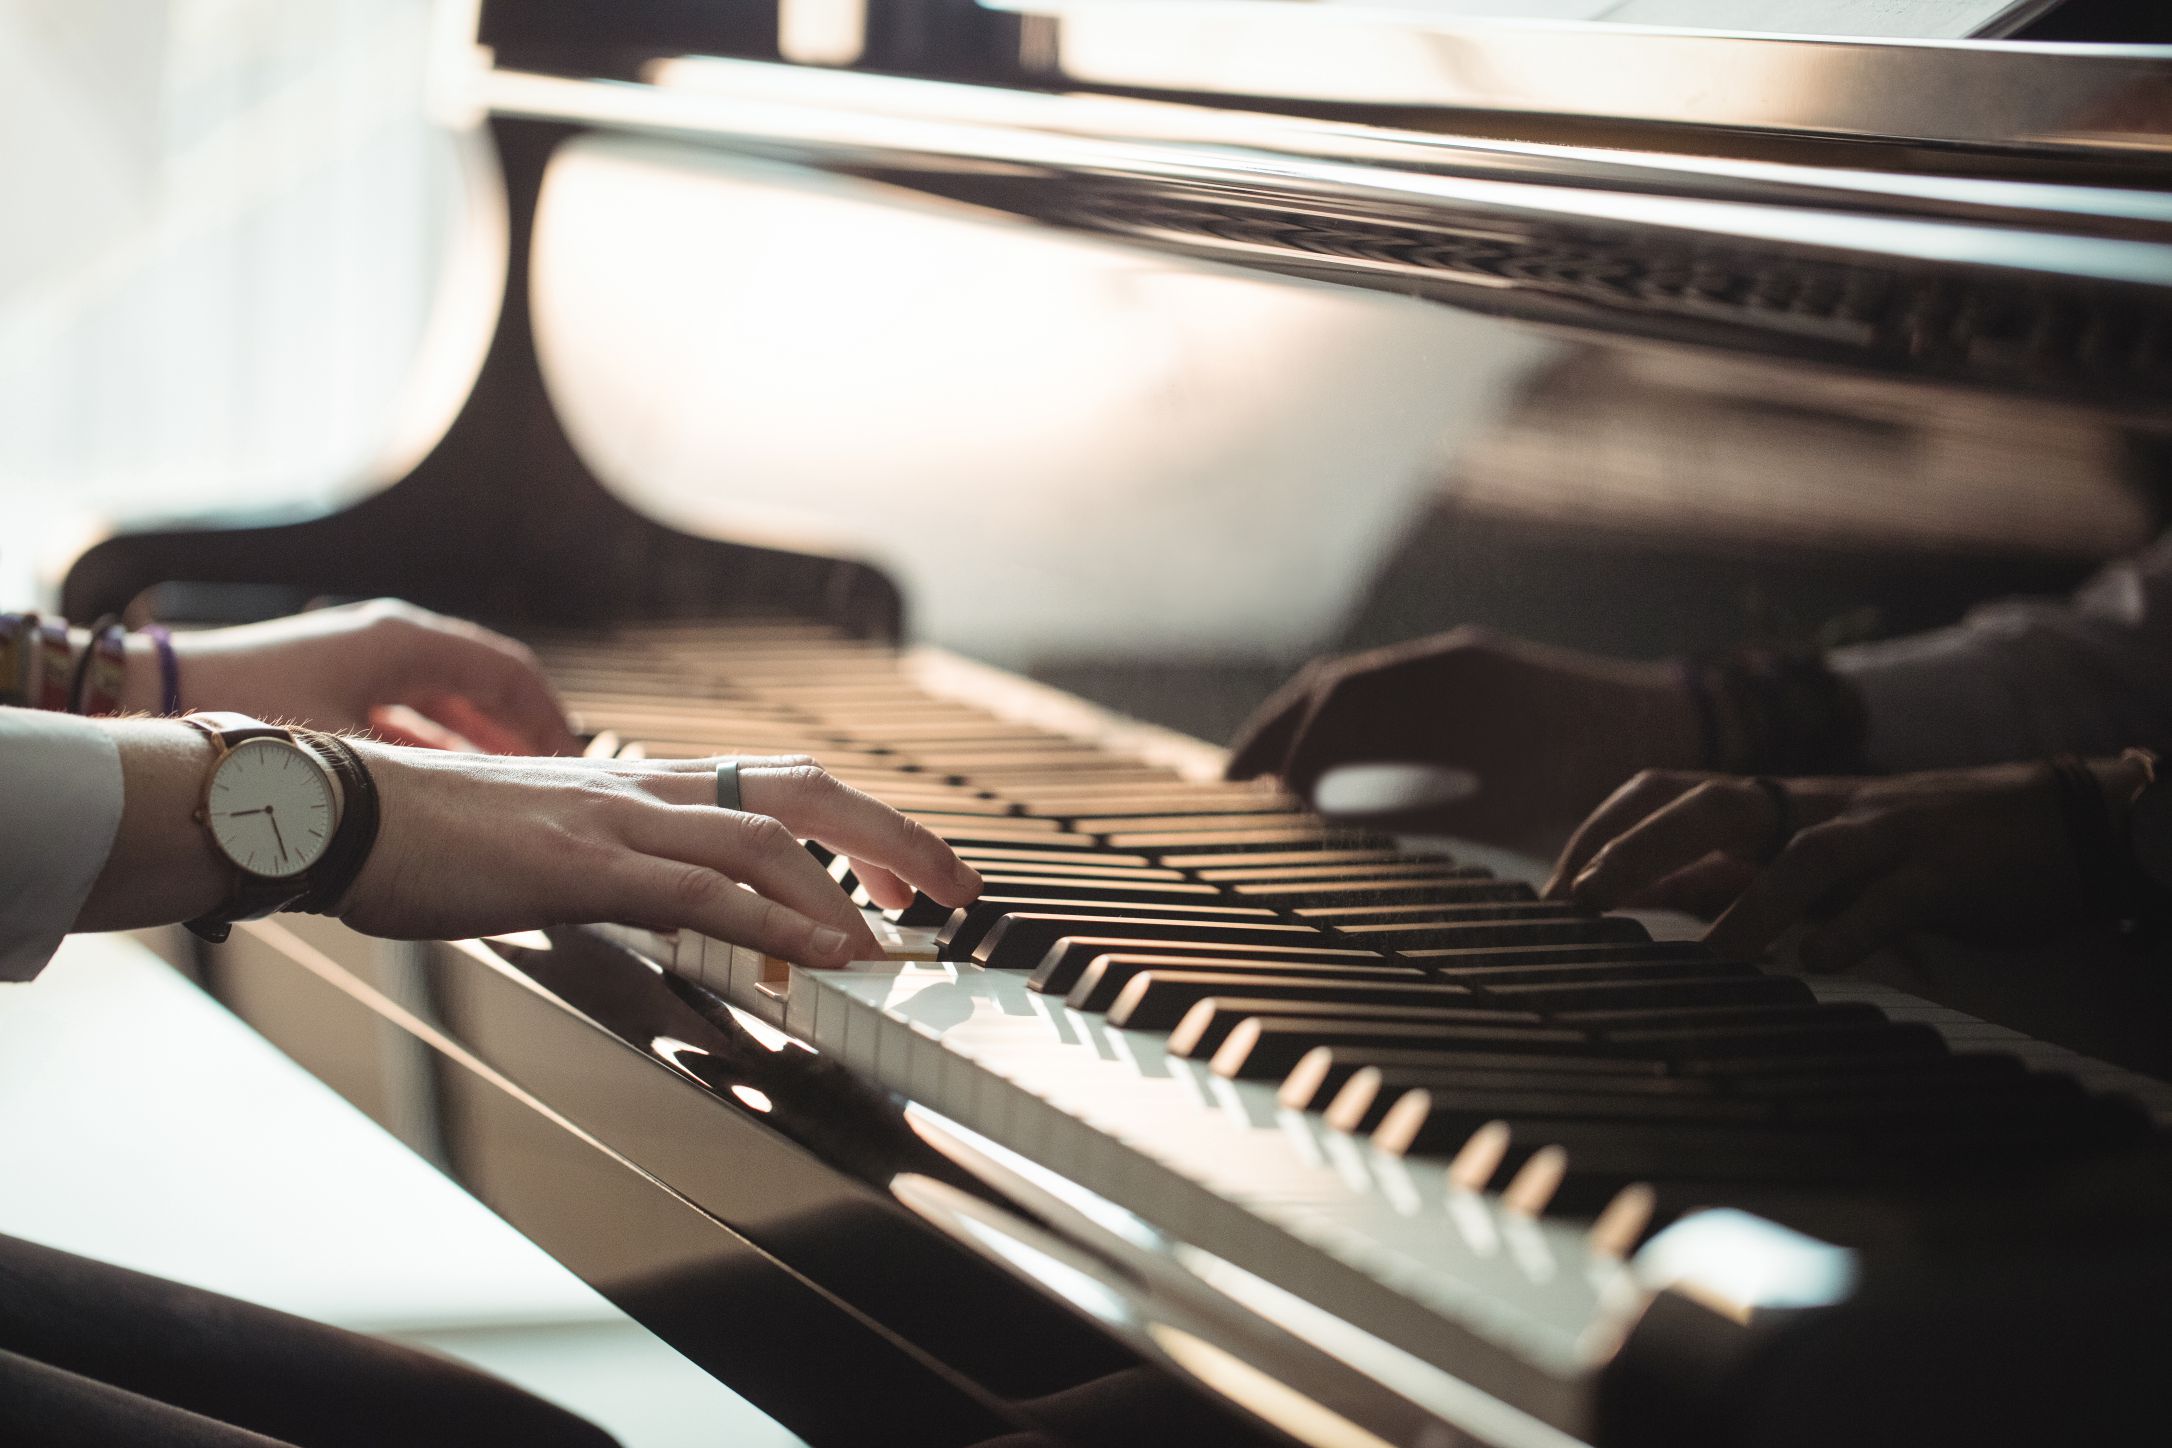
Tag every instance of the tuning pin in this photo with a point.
(1534, 1186)
(1618, 1229)
(1480, 1158)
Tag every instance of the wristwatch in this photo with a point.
(273, 808)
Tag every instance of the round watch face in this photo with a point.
(270, 808)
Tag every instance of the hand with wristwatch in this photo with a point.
(227, 817)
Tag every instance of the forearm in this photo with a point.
(2023, 678)
(2016, 683)
(163, 867)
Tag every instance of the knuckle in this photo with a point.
(773, 925)
(806, 777)
(767, 833)
(694, 889)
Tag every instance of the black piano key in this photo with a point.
(1128, 806)
(1700, 1165)
(1594, 999)
(1400, 938)
(1454, 958)
(1164, 844)
(1018, 942)
(1800, 1037)
(956, 805)
(996, 856)
(1962, 1071)
(1324, 1070)
(1004, 778)
(1157, 999)
(922, 912)
(1444, 913)
(960, 937)
(1065, 964)
(1127, 892)
(1601, 971)
(1054, 753)
(1195, 824)
(1070, 870)
(1106, 976)
(1327, 855)
(971, 840)
(1367, 1091)
(1378, 890)
(1208, 1023)
(942, 821)
(1331, 875)
(1263, 1048)
(1458, 1107)
(1810, 1052)
(2053, 1097)
(1619, 1152)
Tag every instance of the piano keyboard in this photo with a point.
(1385, 1079)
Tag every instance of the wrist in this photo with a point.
(162, 867)
(2120, 781)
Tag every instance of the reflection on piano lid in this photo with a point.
(1384, 1150)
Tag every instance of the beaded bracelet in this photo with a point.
(1769, 711)
(96, 687)
(56, 664)
(169, 669)
(2088, 824)
(15, 651)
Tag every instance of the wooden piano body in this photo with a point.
(1912, 240)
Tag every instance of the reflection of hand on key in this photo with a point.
(1978, 853)
(1529, 737)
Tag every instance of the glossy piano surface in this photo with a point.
(1050, 325)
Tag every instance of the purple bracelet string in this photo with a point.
(169, 669)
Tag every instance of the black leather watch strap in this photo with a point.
(333, 877)
(229, 730)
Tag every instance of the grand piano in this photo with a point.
(1221, 1122)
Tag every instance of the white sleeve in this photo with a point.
(2028, 677)
(60, 804)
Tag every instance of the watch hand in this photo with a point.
(235, 814)
(282, 839)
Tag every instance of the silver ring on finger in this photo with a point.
(727, 785)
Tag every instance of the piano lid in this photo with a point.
(2049, 287)
(1862, 83)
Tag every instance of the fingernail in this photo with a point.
(828, 941)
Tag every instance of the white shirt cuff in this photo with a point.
(60, 798)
